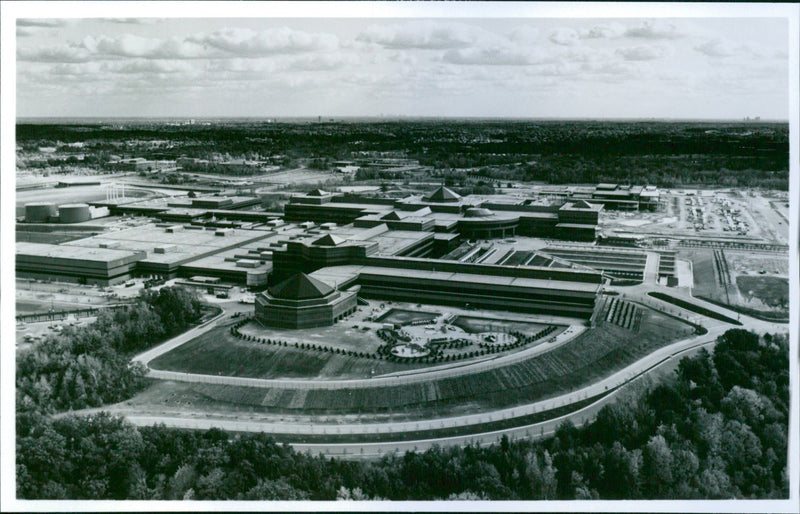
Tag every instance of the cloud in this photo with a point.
(217, 44)
(250, 43)
(105, 47)
(609, 68)
(68, 53)
(556, 70)
(641, 53)
(571, 37)
(716, 48)
(500, 56)
(134, 21)
(322, 62)
(720, 48)
(150, 66)
(525, 35)
(423, 35)
(602, 31)
(41, 22)
(405, 58)
(653, 30)
(129, 45)
(239, 65)
(564, 37)
(75, 69)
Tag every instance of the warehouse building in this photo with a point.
(102, 266)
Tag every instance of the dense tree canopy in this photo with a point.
(88, 366)
(667, 154)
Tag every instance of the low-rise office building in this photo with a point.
(301, 301)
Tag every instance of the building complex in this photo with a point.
(327, 249)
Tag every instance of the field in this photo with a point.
(593, 355)
(217, 352)
(772, 291)
(749, 262)
(478, 325)
(712, 270)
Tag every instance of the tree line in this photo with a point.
(88, 366)
(666, 154)
(718, 428)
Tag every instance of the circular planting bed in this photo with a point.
(409, 351)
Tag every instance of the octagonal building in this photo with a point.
(301, 301)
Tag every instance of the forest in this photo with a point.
(667, 154)
(717, 428)
(88, 366)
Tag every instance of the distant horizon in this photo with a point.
(329, 119)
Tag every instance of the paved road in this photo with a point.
(175, 342)
(356, 450)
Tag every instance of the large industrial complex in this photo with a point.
(436, 247)
(411, 304)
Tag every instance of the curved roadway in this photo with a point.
(356, 449)
(376, 449)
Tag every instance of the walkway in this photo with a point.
(651, 268)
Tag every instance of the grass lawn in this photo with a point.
(217, 352)
(772, 291)
(594, 354)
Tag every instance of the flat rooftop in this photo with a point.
(50, 251)
(335, 275)
(179, 246)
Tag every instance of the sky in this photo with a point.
(696, 68)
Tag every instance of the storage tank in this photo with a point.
(74, 213)
(39, 212)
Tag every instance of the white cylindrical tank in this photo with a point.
(74, 213)
(39, 212)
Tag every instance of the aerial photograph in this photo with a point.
(429, 256)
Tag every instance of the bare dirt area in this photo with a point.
(754, 281)
(296, 176)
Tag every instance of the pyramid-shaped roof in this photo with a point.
(581, 204)
(392, 216)
(318, 192)
(300, 287)
(444, 194)
(328, 240)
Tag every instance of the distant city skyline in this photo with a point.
(670, 68)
